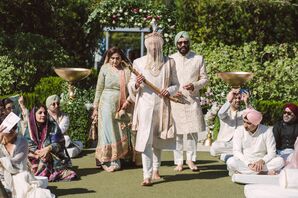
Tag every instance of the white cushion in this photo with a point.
(268, 191)
(288, 178)
(43, 181)
(255, 179)
(73, 152)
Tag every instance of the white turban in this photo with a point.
(51, 99)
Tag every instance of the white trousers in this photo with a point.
(191, 148)
(236, 165)
(285, 153)
(221, 147)
(150, 161)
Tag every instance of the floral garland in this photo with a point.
(132, 13)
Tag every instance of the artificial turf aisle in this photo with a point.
(211, 182)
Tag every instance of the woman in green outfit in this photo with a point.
(110, 105)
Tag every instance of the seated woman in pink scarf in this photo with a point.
(46, 147)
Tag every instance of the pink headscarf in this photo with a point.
(253, 116)
(294, 160)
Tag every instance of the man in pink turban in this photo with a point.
(254, 147)
(286, 131)
(230, 117)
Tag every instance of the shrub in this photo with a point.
(237, 22)
(13, 78)
(49, 86)
(80, 121)
(31, 57)
(274, 67)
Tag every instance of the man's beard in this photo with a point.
(183, 50)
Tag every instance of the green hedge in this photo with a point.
(25, 58)
(274, 67)
(272, 110)
(80, 118)
(239, 21)
(45, 87)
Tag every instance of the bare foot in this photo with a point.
(155, 175)
(192, 166)
(146, 182)
(108, 168)
(179, 168)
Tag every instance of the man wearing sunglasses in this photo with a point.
(230, 117)
(286, 131)
(254, 148)
(188, 117)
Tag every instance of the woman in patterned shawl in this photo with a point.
(47, 154)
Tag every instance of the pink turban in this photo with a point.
(293, 108)
(253, 116)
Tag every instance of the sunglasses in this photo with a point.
(288, 113)
(55, 103)
(183, 42)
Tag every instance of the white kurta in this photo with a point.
(190, 69)
(229, 122)
(14, 169)
(148, 105)
(249, 148)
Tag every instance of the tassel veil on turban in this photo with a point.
(154, 43)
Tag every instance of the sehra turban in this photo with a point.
(293, 108)
(51, 99)
(253, 116)
(182, 34)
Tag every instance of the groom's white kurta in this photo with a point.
(152, 111)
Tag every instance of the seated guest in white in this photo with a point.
(286, 131)
(254, 148)
(230, 118)
(288, 183)
(14, 174)
(53, 106)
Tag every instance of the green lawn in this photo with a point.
(211, 181)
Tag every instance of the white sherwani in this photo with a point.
(188, 117)
(152, 116)
(249, 148)
(190, 69)
(149, 112)
(229, 122)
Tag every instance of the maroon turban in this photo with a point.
(293, 108)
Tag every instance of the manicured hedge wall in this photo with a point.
(239, 21)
